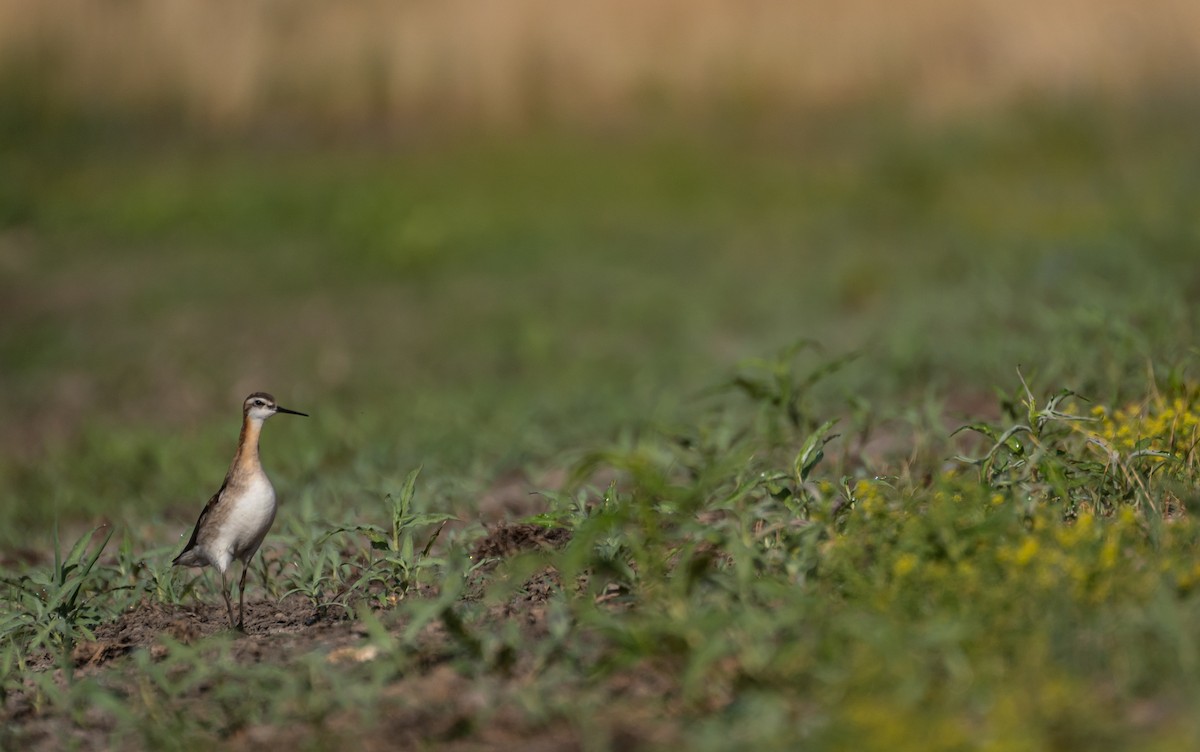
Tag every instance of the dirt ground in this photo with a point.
(432, 705)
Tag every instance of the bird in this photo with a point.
(236, 519)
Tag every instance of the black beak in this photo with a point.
(289, 412)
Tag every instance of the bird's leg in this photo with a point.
(225, 594)
(241, 625)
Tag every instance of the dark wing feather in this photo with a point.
(200, 521)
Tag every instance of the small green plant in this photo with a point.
(315, 575)
(396, 562)
(53, 609)
(782, 389)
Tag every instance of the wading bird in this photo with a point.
(238, 516)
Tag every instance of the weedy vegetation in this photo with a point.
(643, 518)
(53, 607)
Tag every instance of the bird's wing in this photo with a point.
(200, 521)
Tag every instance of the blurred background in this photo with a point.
(399, 66)
(479, 236)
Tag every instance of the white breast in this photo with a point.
(250, 517)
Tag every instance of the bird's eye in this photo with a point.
(259, 403)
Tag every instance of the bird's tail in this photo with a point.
(188, 558)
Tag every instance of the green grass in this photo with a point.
(772, 544)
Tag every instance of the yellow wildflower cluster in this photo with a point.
(908, 554)
(1081, 558)
(905, 563)
(1160, 423)
(868, 497)
(879, 724)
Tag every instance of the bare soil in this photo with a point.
(431, 705)
(506, 540)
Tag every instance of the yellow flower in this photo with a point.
(1027, 552)
(904, 564)
(1158, 423)
(1108, 553)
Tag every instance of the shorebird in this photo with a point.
(236, 519)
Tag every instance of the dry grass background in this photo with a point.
(229, 63)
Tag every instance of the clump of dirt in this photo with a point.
(507, 540)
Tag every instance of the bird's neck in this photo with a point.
(246, 461)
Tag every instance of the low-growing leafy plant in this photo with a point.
(316, 575)
(782, 389)
(160, 580)
(396, 562)
(1051, 453)
(52, 609)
